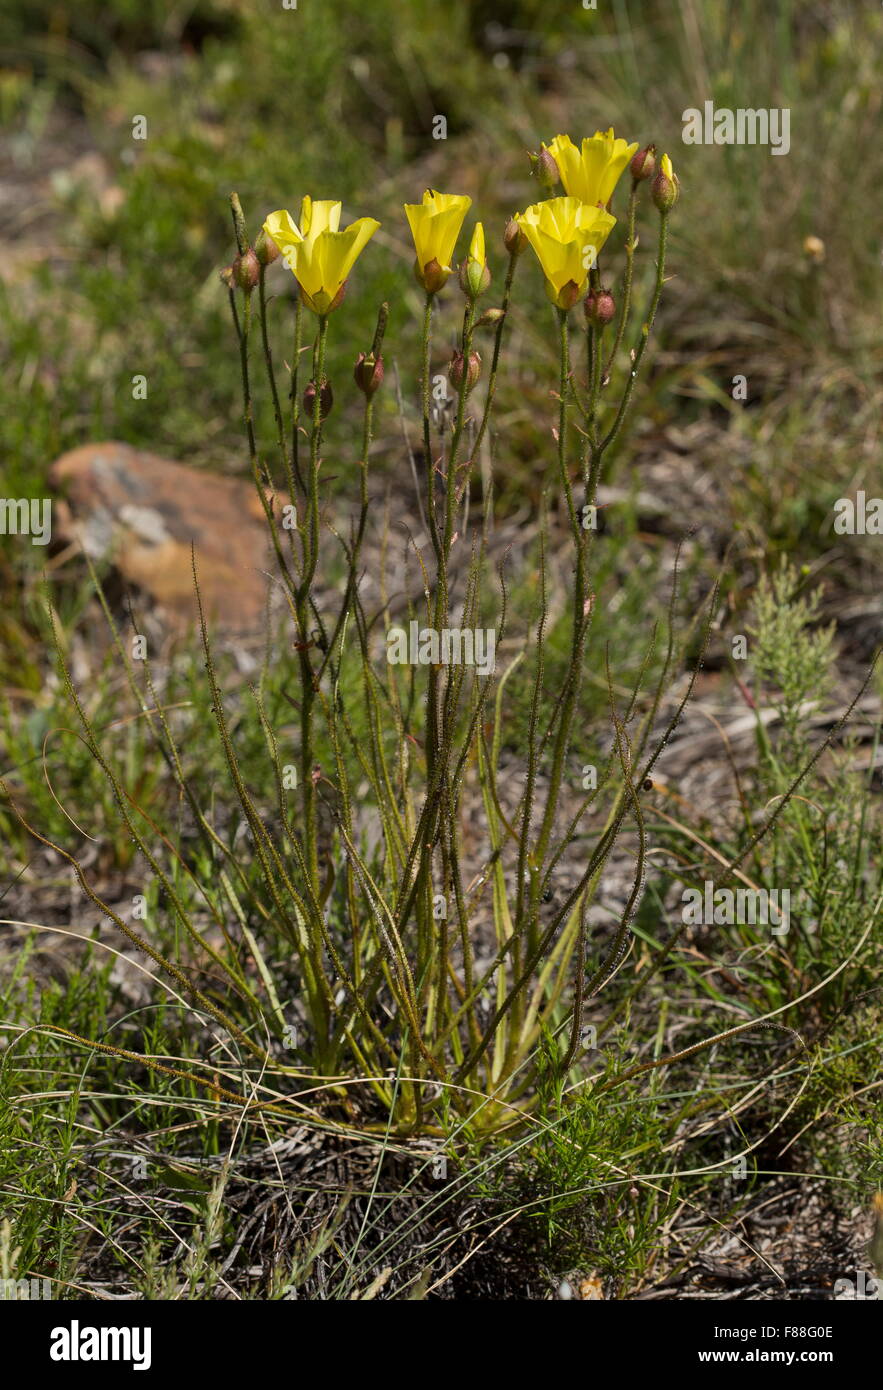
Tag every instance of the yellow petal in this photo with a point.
(417, 217)
(318, 217)
(444, 230)
(282, 229)
(340, 250)
(562, 150)
(567, 157)
(446, 202)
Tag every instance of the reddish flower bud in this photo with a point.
(566, 297)
(544, 168)
(456, 370)
(643, 164)
(326, 400)
(514, 239)
(246, 270)
(600, 306)
(265, 248)
(490, 318)
(368, 373)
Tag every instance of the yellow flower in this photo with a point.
(319, 255)
(435, 225)
(567, 236)
(592, 172)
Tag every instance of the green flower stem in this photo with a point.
(627, 280)
(426, 397)
(247, 414)
(271, 376)
(295, 393)
(495, 359)
(646, 328)
(594, 353)
(353, 557)
(312, 520)
(573, 680)
(564, 392)
(243, 333)
(459, 426)
(444, 811)
(302, 608)
(527, 812)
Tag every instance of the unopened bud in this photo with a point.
(665, 186)
(265, 248)
(246, 271)
(490, 318)
(599, 306)
(456, 370)
(643, 164)
(475, 275)
(514, 239)
(326, 400)
(474, 278)
(814, 249)
(368, 373)
(544, 168)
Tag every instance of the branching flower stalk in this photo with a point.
(302, 609)
(630, 247)
(294, 392)
(495, 355)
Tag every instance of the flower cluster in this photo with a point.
(397, 925)
(567, 232)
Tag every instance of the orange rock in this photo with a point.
(142, 512)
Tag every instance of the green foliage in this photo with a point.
(789, 656)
